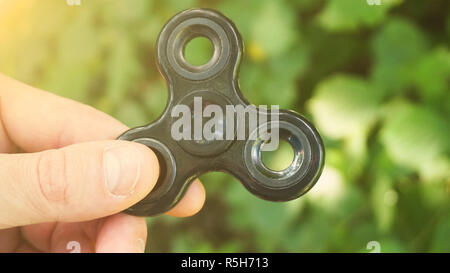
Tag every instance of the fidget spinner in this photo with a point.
(216, 82)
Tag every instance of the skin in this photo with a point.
(53, 187)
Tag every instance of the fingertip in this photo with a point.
(148, 169)
(191, 203)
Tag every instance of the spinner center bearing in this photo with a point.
(199, 144)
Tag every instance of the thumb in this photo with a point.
(75, 183)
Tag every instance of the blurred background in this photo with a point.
(374, 79)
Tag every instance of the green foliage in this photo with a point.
(374, 79)
(338, 15)
(398, 46)
(344, 106)
(275, 19)
(417, 137)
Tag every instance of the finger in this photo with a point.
(9, 239)
(26, 248)
(122, 233)
(39, 235)
(191, 203)
(70, 238)
(77, 183)
(63, 237)
(36, 120)
(6, 145)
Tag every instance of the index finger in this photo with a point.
(36, 120)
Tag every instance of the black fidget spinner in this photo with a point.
(216, 82)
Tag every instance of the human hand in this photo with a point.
(62, 179)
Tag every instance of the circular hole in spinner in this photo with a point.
(287, 175)
(187, 32)
(198, 51)
(279, 159)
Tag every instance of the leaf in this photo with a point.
(123, 69)
(343, 15)
(355, 238)
(311, 235)
(441, 235)
(432, 75)
(397, 48)
(273, 28)
(131, 114)
(79, 42)
(248, 211)
(344, 105)
(275, 83)
(417, 137)
(155, 99)
(391, 245)
(76, 61)
(260, 87)
(291, 64)
(188, 243)
(234, 10)
(121, 13)
(70, 81)
(329, 189)
(384, 200)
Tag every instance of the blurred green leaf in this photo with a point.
(248, 211)
(273, 28)
(341, 15)
(77, 60)
(123, 69)
(155, 99)
(398, 47)
(432, 75)
(344, 105)
(131, 113)
(418, 138)
(384, 200)
(440, 239)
